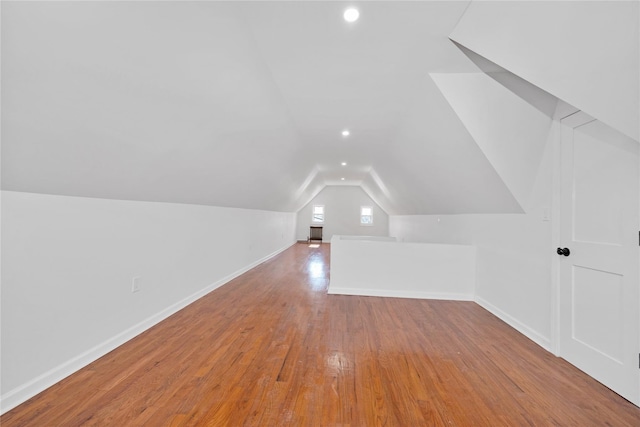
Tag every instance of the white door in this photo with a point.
(599, 297)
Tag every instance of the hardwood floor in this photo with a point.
(271, 348)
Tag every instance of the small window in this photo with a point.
(366, 215)
(317, 216)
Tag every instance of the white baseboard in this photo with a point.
(394, 293)
(21, 394)
(533, 335)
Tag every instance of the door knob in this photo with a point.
(564, 251)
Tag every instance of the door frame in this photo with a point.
(564, 127)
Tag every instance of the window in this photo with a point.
(366, 215)
(317, 215)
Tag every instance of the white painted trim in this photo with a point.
(565, 126)
(391, 293)
(576, 119)
(18, 395)
(555, 237)
(534, 336)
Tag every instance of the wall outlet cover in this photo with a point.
(135, 284)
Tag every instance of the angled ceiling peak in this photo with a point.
(584, 53)
(242, 104)
(538, 98)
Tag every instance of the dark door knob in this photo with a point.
(564, 251)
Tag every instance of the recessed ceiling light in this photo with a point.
(345, 132)
(341, 179)
(344, 163)
(351, 14)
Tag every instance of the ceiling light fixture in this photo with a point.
(351, 14)
(344, 163)
(341, 179)
(345, 132)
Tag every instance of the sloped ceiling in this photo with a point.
(510, 132)
(586, 53)
(242, 104)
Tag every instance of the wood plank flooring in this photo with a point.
(271, 348)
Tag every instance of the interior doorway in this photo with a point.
(598, 254)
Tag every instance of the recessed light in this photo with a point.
(345, 132)
(344, 163)
(351, 14)
(341, 179)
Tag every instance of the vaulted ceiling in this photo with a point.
(242, 104)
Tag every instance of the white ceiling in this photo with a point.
(240, 104)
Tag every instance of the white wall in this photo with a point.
(583, 52)
(514, 253)
(68, 264)
(410, 270)
(510, 132)
(342, 214)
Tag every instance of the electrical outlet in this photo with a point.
(135, 284)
